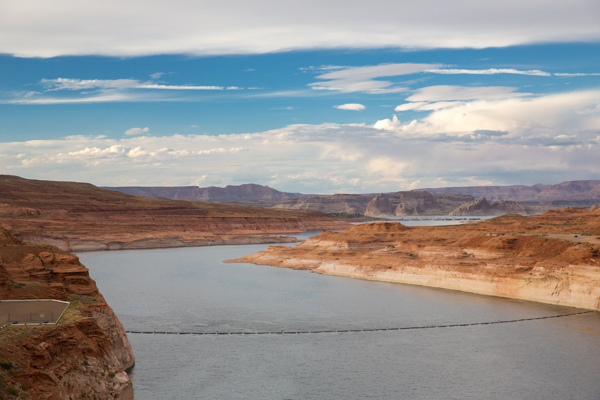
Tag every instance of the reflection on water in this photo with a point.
(190, 289)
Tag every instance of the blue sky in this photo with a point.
(376, 97)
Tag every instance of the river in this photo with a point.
(192, 290)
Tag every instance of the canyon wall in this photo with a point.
(85, 354)
(382, 205)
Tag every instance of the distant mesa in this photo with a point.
(246, 194)
(499, 200)
(572, 191)
(481, 207)
(414, 203)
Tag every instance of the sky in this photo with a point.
(317, 97)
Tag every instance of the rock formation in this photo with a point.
(551, 258)
(537, 198)
(80, 216)
(85, 354)
(382, 205)
(413, 203)
(481, 207)
(345, 204)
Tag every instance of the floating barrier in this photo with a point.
(311, 332)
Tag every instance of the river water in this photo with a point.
(192, 290)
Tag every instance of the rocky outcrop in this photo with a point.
(85, 354)
(481, 207)
(382, 205)
(551, 258)
(413, 203)
(345, 204)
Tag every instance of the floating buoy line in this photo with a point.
(306, 332)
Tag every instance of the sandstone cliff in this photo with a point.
(413, 203)
(85, 354)
(346, 204)
(481, 207)
(382, 205)
(565, 191)
(551, 258)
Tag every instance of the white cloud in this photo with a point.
(136, 131)
(351, 107)
(82, 84)
(568, 75)
(176, 87)
(364, 79)
(494, 111)
(107, 90)
(39, 28)
(450, 92)
(489, 71)
(501, 138)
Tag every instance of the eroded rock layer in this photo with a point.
(86, 354)
(79, 216)
(551, 258)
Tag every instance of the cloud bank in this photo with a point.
(504, 139)
(39, 28)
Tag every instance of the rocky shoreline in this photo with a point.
(132, 242)
(542, 258)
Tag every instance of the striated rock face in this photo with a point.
(413, 203)
(78, 216)
(86, 354)
(481, 206)
(551, 258)
(573, 190)
(348, 204)
(382, 205)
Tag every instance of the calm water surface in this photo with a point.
(192, 290)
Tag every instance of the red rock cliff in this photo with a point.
(85, 355)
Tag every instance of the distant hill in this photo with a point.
(533, 199)
(81, 216)
(572, 190)
(536, 198)
(247, 194)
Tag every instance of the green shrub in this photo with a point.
(6, 364)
